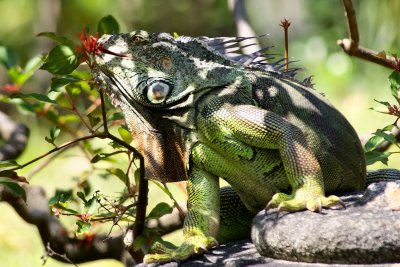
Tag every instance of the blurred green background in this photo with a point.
(349, 83)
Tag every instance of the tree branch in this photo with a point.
(352, 47)
(15, 135)
(36, 211)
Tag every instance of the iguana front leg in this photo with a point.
(258, 127)
(202, 221)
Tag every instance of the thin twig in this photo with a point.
(351, 45)
(77, 112)
(142, 201)
(181, 212)
(40, 166)
(52, 254)
(285, 24)
(57, 148)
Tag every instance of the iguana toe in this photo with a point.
(193, 245)
(298, 202)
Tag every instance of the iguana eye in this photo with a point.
(157, 92)
(137, 39)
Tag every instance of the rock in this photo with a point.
(367, 231)
(244, 253)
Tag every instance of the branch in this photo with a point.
(243, 27)
(36, 211)
(15, 135)
(352, 47)
(138, 227)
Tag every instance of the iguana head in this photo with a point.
(157, 70)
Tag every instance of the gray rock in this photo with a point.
(244, 253)
(367, 231)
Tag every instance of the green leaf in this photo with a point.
(54, 132)
(91, 205)
(394, 79)
(375, 156)
(36, 96)
(120, 174)
(7, 164)
(15, 188)
(125, 135)
(61, 197)
(59, 39)
(107, 25)
(58, 83)
(387, 136)
(62, 60)
(160, 210)
(93, 120)
(104, 156)
(83, 227)
(372, 143)
(8, 57)
(81, 195)
(64, 208)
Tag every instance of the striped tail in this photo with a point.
(382, 175)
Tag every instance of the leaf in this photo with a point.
(380, 136)
(54, 132)
(58, 83)
(36, 96)
(6, 164)
(13, 176)
(64, 208)
(159, 210)
(375, 156)
(15, 189)
(83, 227)
(107, 25)
(120, 174)
(125, 135)
(91, 205)
(394, 80)
(104, 156)
(93, 120)
(61, 197)
(59, 39)
(62, 60)
(385, 103)
(8, 57)
(372, 143)
(387, 136)
(81, 195)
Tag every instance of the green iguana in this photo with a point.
(199, 111)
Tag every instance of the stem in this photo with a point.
(143, 191)
(77, 112)
(286, 24)
(352, 47)
(57, 148)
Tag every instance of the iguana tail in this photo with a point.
(382, 175)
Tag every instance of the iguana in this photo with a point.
(199, 111)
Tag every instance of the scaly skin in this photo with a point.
(197, 113)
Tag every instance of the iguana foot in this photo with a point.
(194, 245)
(301, 200)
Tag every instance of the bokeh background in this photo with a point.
(349, 83)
